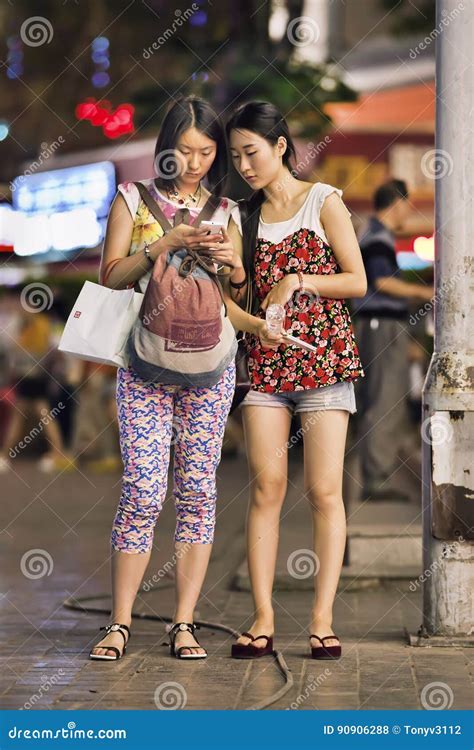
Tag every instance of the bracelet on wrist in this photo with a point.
(146, 250)
(238, 284)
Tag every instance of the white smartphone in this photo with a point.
(213, 227)
(299, 342)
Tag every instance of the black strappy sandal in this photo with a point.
(178, 652)
(248, 651)
(325, 652)
(112, 627)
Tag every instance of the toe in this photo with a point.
(244, 640)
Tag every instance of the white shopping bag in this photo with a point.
(100, 321)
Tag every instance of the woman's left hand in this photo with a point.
(222, 253)
(282, 292)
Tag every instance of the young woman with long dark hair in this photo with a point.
(301, 252)
(190, 149)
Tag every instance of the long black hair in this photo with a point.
(264, 119)
(184, 113)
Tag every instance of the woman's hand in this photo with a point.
(185, 235)
(222, 252)
(282, 292)
(267, 339)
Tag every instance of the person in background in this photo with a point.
(95, 441)
(31, 380)
(381, 326)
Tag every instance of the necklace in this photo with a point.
(190, 199)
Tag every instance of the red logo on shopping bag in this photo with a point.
(77, 314)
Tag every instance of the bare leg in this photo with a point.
(128, 569)
(51, 429)
(191, 567)
(199, 419)
(266, 435)
(16, 421)
(324, 445)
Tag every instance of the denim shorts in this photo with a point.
(337, 396)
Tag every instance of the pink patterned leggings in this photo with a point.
(152, 417)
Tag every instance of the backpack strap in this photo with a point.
(153, 206)
(183, 217)
(193, 259)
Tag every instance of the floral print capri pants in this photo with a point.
(151, 418)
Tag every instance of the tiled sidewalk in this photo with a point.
(44, 647)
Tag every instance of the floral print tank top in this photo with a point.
(286, 247)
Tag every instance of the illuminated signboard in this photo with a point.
(64, 209)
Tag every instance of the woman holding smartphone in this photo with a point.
(300, 252)
(190, 148)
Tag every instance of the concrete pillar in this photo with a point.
(448, 394)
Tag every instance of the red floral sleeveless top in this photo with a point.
(286, 247)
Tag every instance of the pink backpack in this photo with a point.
(183, 335)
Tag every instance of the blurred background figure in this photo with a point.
(28, 345)
(382, 335)
(95, 440)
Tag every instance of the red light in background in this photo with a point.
(100, 114)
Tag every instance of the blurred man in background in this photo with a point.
(381, 323)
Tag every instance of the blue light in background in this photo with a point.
(49, 194)
(199, 18)
(100, 59)
(100, 44)
(408, 261)
(100, 79)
